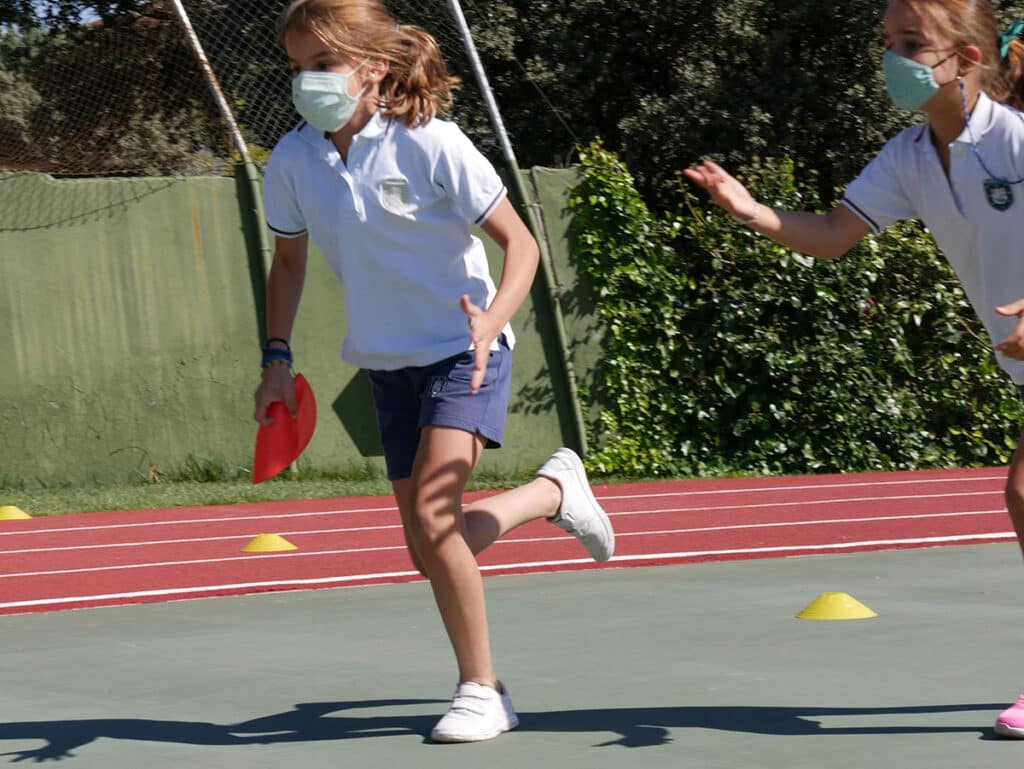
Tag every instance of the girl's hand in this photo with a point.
(1013, 345)
(482, 332)
(276, 385)
(724, 189)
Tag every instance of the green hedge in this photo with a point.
(726, 353)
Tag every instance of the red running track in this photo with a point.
(100, 559)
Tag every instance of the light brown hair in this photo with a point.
(973, 22)
(417, 86)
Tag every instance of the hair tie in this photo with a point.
(1014, 32)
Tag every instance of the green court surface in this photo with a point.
(698, 665)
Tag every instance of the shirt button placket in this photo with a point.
(354, 162)
(344, 175)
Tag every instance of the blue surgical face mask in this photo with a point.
(910, 83)
(322, 99)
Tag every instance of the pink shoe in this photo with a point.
(1011, 721)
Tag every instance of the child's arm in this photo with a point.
(522, 256)
(284, 289)
(825, 236)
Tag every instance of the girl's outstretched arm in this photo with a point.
(825, 236)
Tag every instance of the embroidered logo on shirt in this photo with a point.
(999, 194)
(394, 196)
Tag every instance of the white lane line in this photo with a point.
(533, 540)
(823, 522)
(173, 521)
(757, 489)
(652, 511)
(394, 509)
(509, 541)
(328, 581)
(198, 561)
(823, 548)
(190, 540)
(804, 503)
(170, 592)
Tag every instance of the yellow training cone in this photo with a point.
(268, 543)
(12, 513)
(836, 606)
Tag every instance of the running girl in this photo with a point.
(388, 192)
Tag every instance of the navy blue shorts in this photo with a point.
(437, 395)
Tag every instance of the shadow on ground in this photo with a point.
(632, 727)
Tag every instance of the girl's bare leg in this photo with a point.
(430, 504)
(1015, 492)
(487, 520)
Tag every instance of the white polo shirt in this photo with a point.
(394, 224)
(977, 223)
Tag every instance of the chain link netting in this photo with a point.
(129, 97)
(126, 96)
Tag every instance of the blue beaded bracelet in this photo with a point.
(272, 355)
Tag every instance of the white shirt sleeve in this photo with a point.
(877, 195)
(467, 177)
(280, 204)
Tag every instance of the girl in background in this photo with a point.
(960, 173)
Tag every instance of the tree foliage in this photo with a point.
(775, 362)
(666, 83)
(663, 83)
(123, 90)
(779, 364)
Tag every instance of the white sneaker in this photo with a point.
(579, 514)
(477, 713)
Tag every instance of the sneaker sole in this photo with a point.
(452, 738)
(1005, 730)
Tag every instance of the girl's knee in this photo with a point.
(412, 544)
(430, 530)
(425, 528)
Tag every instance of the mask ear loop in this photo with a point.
(974, 144)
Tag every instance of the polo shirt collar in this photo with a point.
(320, 142)
(314, 138)
(377, 127)
(980, 122)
